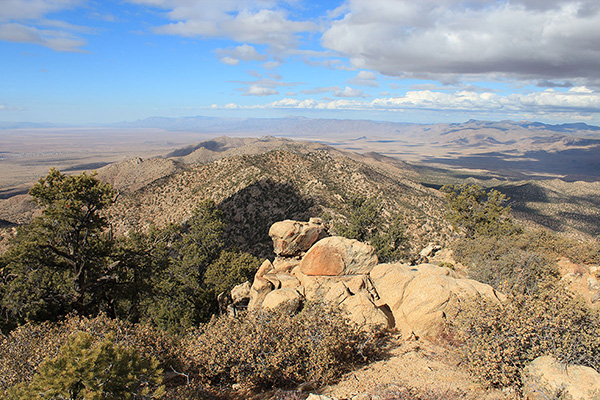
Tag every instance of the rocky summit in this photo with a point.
(416, 300)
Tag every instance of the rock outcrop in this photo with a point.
(292, 238)
(416, 300)
(421, 297)
(545, 378)
(336, 255)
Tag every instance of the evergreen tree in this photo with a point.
(366, 224)
(478, 212)
(94, 371)
(180, 298)
(59, 262)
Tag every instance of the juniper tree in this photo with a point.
(478, 212)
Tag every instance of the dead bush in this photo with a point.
(266, 349)
(499, 340)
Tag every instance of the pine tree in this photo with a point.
(59, 262)
(94, 371)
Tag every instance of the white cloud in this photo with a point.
(244, 21)
(258, 90)
(319, 90)
(33, 9)
(263, 87)
(576, 103)
(53, 39)
(349, 92)
(25, 22)
(447, 40)
(230, 60)
(271, 64)
(233, 56)
(4, 107)
(365, 78)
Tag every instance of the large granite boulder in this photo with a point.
(292, 238)
(416, 300)
(335, 256)
(544, 378)
(421, 297)
(284, 299)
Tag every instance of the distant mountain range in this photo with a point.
(509, 149)
(332, 126)
(305, 125)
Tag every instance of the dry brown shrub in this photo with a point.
(499, 340)
(267, 349)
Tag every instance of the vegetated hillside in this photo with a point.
(572, 208)
(257, 190)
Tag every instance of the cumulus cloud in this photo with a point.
(523, 39)
(578, 102)
(25, 22)
(33, 9)
(271, 64)
(244, 21)
(364, 78)
(319, 90)
(263, 87)
(349, 92)
(233, 56)
(258, 90)
(4, 107)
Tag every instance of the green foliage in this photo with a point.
(509, 263)
(180, 298)
(201, 239)
(229, 270)
(26, 347)
(266, 349)
(478, 212)
(59, 263)
(540, 317)
(366, 224)
(362, 221)
(499, 340)
(142, 256)
(89, 370)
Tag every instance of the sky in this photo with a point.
(426, 61)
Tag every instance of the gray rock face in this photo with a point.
(544, 377)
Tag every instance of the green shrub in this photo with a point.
(477, 212)
(90, 370)
(266, 349)
(366, 224)
(499, 340)
(229, 270)
(26, 347)
(505, 263)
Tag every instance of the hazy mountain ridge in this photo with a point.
(332, 126)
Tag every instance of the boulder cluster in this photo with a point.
(309, 265)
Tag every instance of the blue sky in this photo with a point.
(92, 61)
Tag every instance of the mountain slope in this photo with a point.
(257, 190)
